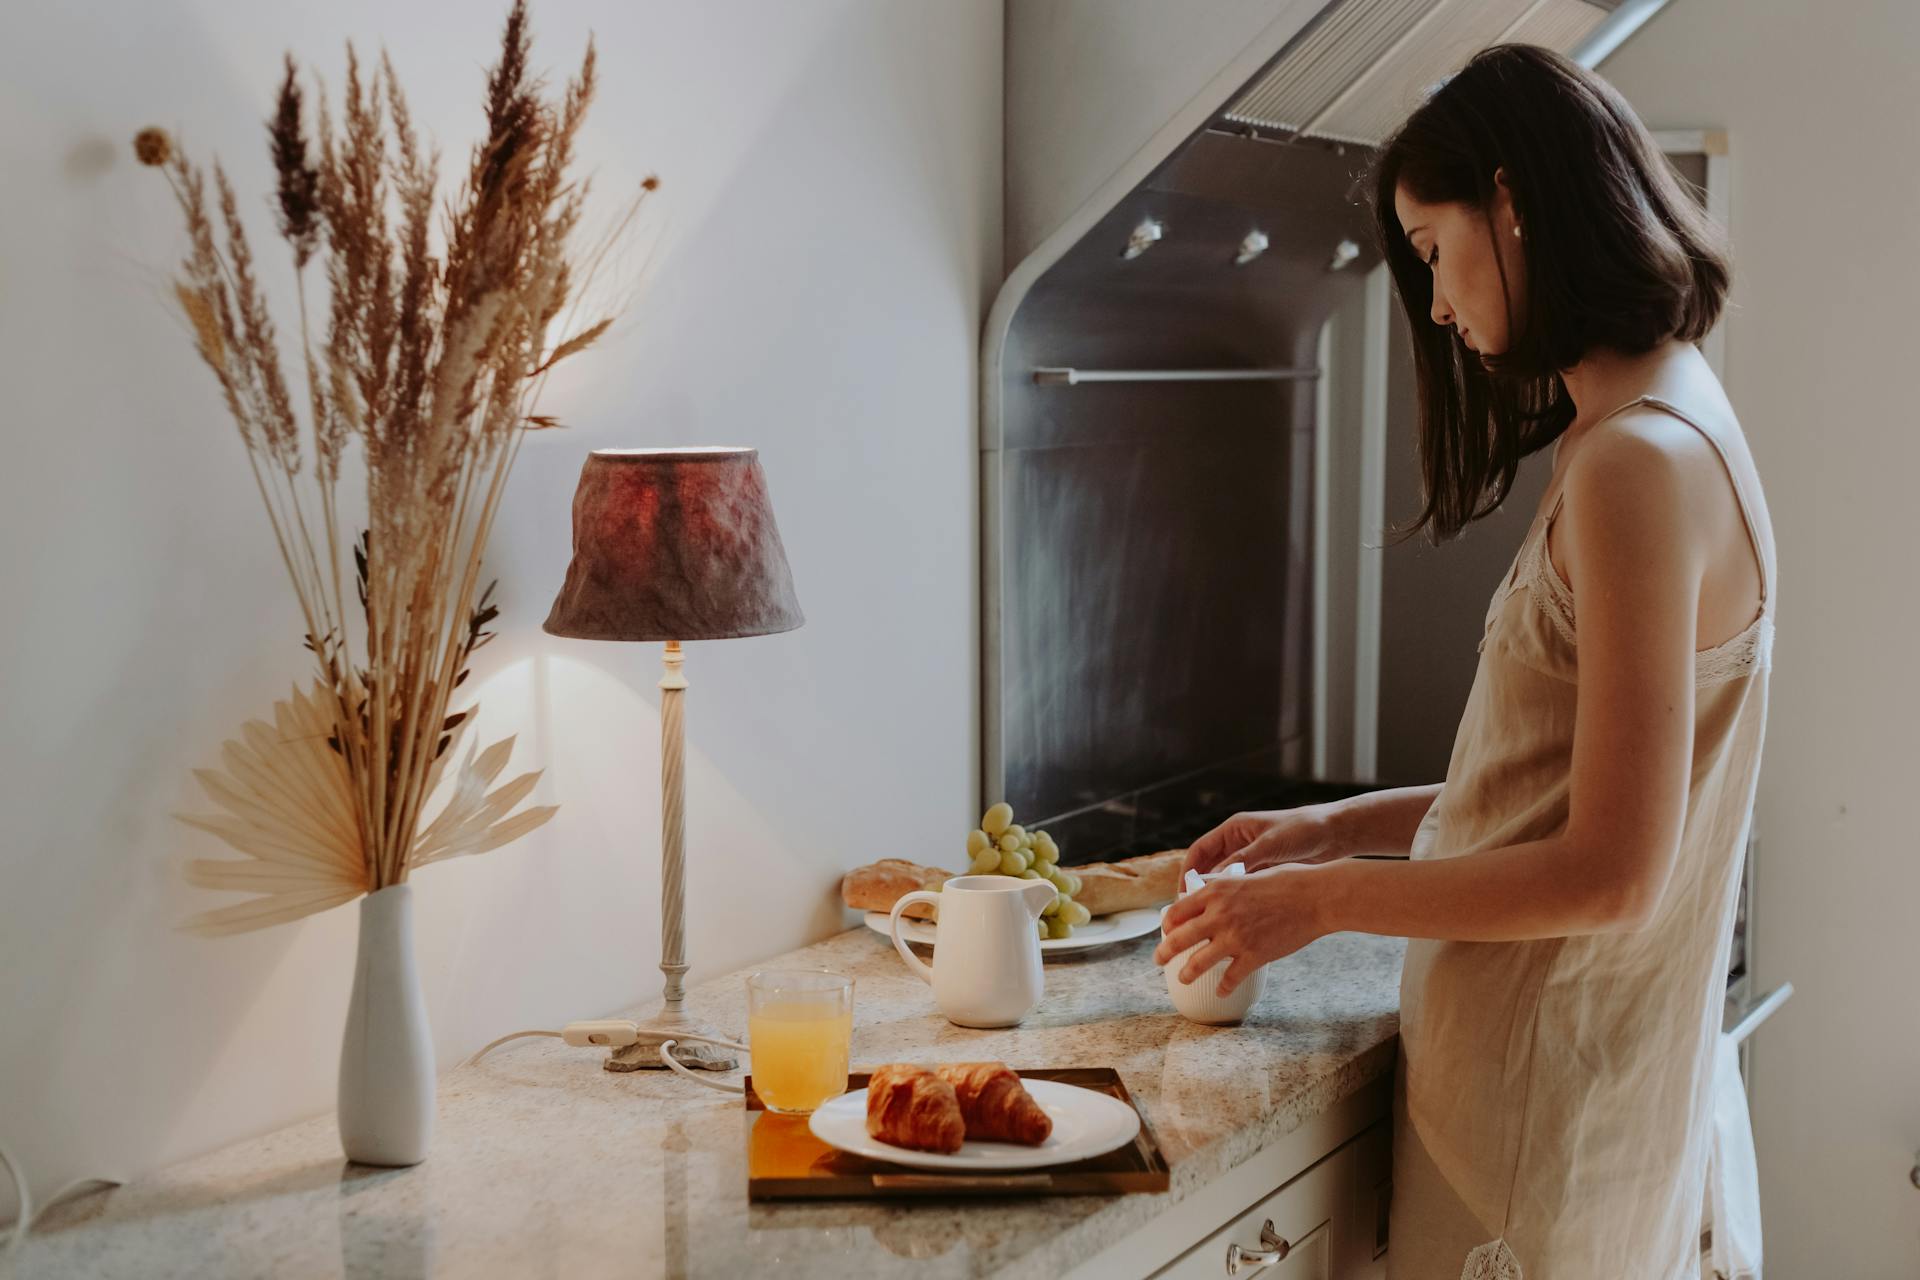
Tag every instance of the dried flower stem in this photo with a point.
(433, 362)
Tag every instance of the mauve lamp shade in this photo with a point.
(674, 544)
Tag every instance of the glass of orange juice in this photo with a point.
(800, 1032)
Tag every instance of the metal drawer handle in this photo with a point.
(1274, 1248)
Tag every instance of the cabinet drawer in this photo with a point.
(1302, 1214)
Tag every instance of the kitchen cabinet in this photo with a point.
(1325, 1224)
(1311, 1206)
(1287, 1236)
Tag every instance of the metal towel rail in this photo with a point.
(1761, 1011)
(1068, 377)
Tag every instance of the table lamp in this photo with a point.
(674, 545)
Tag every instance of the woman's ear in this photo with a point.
(1503, 215)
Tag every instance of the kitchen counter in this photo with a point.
(544, 1164)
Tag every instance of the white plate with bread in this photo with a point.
(972, 1117)
(1123, 898)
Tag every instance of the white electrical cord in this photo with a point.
(492, 1045)
(24, 1193)
(603, 1033)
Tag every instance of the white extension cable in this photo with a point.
(24, 1193)
(603, 1033)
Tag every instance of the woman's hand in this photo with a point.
(1254, 918)
(1266, 839)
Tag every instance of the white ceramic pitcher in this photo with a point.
(986, 958)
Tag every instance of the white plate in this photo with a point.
(1085, 1124)
(1121, 926)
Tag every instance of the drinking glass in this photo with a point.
(800, 1032)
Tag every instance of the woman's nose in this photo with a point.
(1442, 313)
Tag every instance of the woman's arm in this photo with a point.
(1639, 530)
(1377, 822)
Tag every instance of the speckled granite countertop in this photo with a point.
(543, 1164)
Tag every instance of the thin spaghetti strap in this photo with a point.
(1733, 477)
(1622, 408)
(1739, 492)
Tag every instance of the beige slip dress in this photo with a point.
(1553, 1099)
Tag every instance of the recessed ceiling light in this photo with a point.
(1144, 237)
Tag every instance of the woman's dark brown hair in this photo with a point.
(1618, 254)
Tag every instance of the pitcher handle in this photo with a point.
(920, 968)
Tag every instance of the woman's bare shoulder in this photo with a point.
(1643, 486)
(1643, 461)
(1635, 456)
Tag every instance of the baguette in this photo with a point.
(1145, 881)
(878, 885)
(1105, 887)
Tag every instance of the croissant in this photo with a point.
(994, 1104)
(910, 1106)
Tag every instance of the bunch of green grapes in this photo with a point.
(999, 845)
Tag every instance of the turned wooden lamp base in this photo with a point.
(671, 1016)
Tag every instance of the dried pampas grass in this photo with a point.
(439, 326)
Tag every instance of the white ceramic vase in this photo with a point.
(386, 1056)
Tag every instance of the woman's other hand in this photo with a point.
(1264, 839)
(1253, 918)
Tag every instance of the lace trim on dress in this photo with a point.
(1743, 654)
(1746, 653)
(1493, 1260)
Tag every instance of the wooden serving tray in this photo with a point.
(786, 1162)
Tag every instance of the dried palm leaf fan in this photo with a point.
(430, 349)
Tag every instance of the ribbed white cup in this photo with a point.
(1199, 1000)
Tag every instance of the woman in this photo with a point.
(1570, 888)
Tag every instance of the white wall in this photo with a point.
(825, 241)
(1820, 101)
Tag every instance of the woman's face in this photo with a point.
(1454, 240)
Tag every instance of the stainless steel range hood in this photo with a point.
(1362, 66)
(1151, 394)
